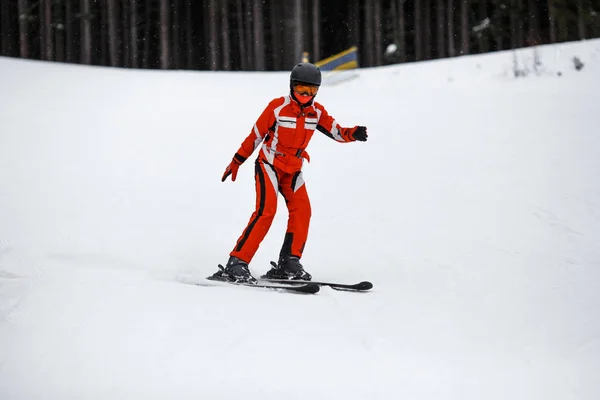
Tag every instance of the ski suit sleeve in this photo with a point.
(258, 133)
(330, 128)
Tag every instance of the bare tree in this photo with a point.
(483, 42)
(402, 30)
(293, 34)
(5, 31)
(450, 10)
(125, 33)
(276, 47)
(112, 20)
(516, 27)
(581, 20)
(189, 34)
(69, 41)
(133, 33)
(354, 22)
(316, 31)
(248, 34)
(534, 25)
(225, 29)
(551, 21)
(441, 24)
(418, 31)
(23, 28)
(464, 25)
(298, 31)
(59, 33)
(164, 33)
(378, 33)
(104, 56)
(427, 30)
(147, 31)
(175, 57)
(259, 44)
(241, 35)
(46, 45)
(369, 45)
(394, 15)
(213, 38)
(86, 33)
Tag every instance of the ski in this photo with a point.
(355, 287)
(304, 288)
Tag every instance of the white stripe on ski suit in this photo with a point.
(270, 152)
(334, 130)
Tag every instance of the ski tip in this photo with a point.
(365, 285)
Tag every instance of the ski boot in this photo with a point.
(236, 271)
(289, 268)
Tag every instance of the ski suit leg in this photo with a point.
(293, 189)
(262, 217)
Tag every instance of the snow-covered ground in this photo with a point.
(474, 208)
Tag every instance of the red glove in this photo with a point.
(232, 170)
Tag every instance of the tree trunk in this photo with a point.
(369, 45)
(213, 37)
(69, 32)
(5, 33)
(46, 28)
(450, 21)
(189, 26)
(418, 31)
(497, 18)
(441, 24)
(164, 34)
(125, 33)
(394, 16)
(225, 29)
(176, 57)
(276, 50)
(86, 33)
(581, 20)
(401, 31)
(551, 21)
(378, 34)
(259, 44)
(516, 26)
(23, 29)
(483, 41)
(147, 30)
(241, 35)
(112, 32)
(464, 24)
(299, 31)
(427, 30)
(533, 36)
(59, 33)
(104, 53)
(133, 34)
(316, 31)
(248, 35)
(354, 23)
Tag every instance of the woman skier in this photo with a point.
(283, 132)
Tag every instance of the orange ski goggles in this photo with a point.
(306, 90)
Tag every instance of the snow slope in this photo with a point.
(474, 208)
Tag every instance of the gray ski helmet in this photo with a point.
(306, 73)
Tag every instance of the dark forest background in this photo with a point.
(273, 34)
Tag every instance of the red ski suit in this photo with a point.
(283, 132)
